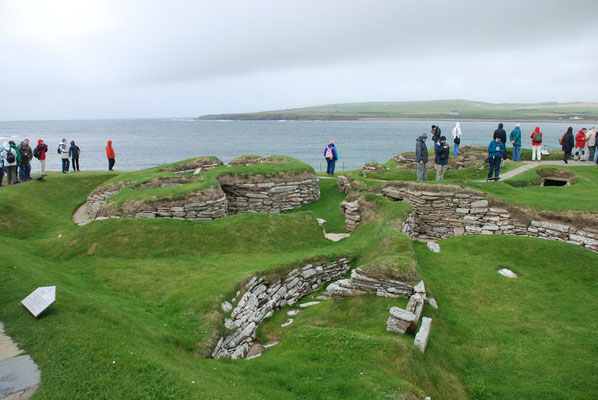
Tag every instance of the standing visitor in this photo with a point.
(11, 157)
(63, 152)
(1, 164)
(515, 138)
(435, 133)
(580, 145)
(496, 149)
(74, 151)
(26, 157)
(441, 149)
(110, 155)
(536, 144)
(331, 155)
(40, 153)
(502, 134)
(456, 138)
(591, 143)
(567, 143)
(421, 157)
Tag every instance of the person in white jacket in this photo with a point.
(456, 138)
(591, 143)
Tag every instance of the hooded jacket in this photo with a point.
(110, 150)
(568, 142)
(591, 137)
(515, 136)
(26, 152)
(74, 150)
(496, 149)
(534, 143)
(13, 149)
(457, 131)
(42, 149)
(421, 150)
(500, 133)
(442, 153)
(580, 139)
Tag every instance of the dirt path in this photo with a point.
(81, 216)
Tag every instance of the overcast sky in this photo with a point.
(70, 59)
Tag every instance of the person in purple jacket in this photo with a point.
(331, 155)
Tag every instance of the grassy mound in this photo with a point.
(137, 305)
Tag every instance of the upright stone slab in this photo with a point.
(400, 320)
(421, 339)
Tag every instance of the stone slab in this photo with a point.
(507, 273)
(17, 374)
(433, 247)
(421, 339)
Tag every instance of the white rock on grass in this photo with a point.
(289, 322)
(309, 304)
(508, 273)
(226, 306)
(421, 339)
(321, 222)
(294, 312)
(433, 247)
(432, 302)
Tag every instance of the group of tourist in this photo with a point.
(15, 158)
(583, 143)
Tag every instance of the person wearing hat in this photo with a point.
(331, 155)
(421, 157)
(441, 149)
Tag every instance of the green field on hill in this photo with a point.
(138, 300)
(441, 109)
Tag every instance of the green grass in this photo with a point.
(514, 338)
(327, 207)
(522, 190)
(137, 305)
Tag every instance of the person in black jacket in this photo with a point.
(436, 132)
(441, 149)
(74, 151)
(567, 143)
(502, 134)
(421, 157)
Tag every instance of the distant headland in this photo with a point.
(418, 110)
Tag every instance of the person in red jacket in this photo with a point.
(110, 155)
(536, 144)
(580, 145)
(40, 153)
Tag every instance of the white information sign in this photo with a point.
(40, 299)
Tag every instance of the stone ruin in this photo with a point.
(446, 211)
(233, 195)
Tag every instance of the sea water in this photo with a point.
(144, 143)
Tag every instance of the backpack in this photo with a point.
(36, 153)
(329, 155)
(561, 140)
(10, 156)
(537, 137)
(58, 149)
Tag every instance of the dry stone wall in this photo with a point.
(452, 211)
(232, 198)
(261, 299)
(270, 197)
(361, 282)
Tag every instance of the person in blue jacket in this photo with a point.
(496, 150)
(515, 138)
(331, 156)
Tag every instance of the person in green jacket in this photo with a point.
(515, 139)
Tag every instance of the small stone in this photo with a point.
(508, 273)
(226, 306)
(289, 322)
(294, 312)
(433, 247)
(432, 302)
(309, 304)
